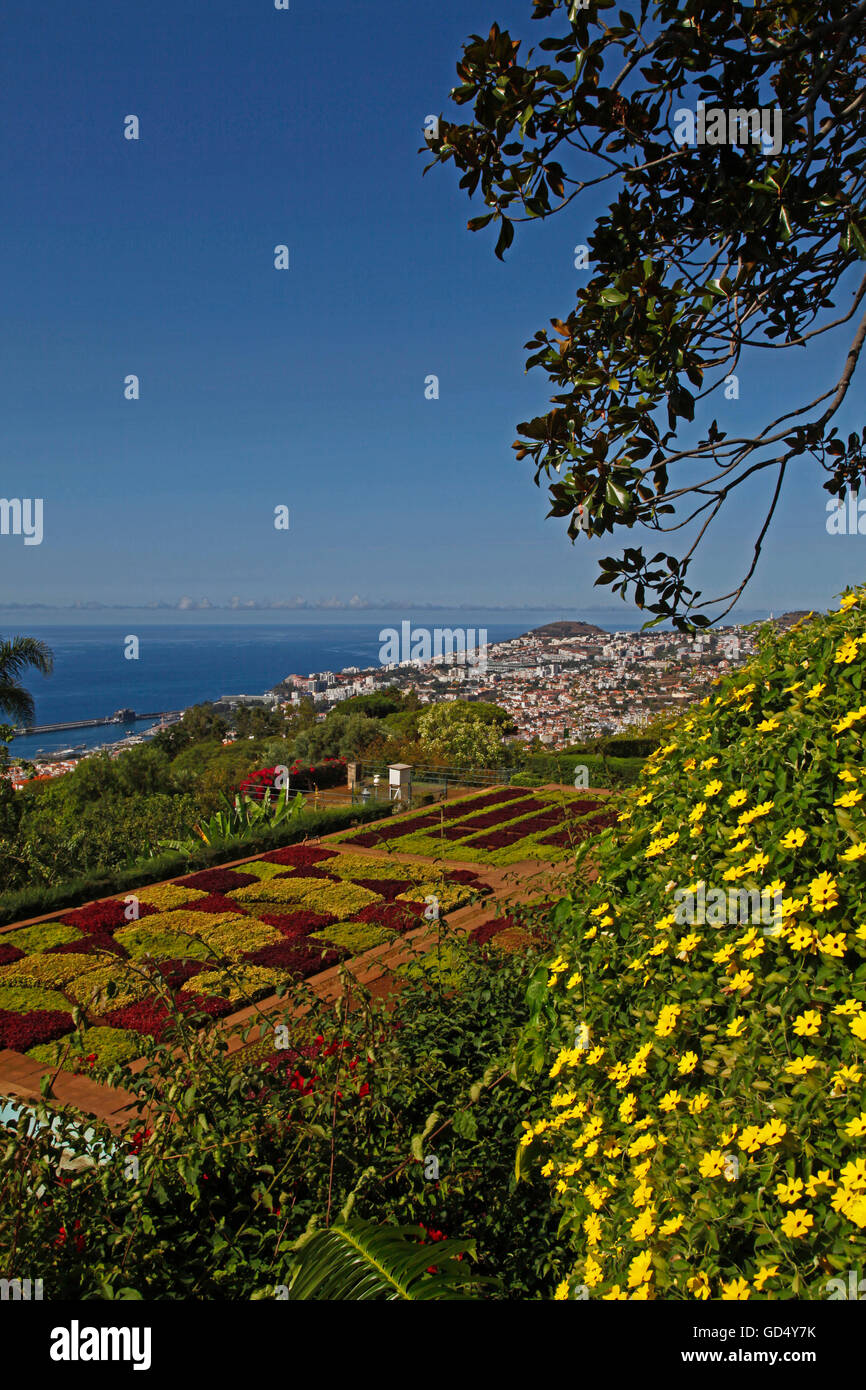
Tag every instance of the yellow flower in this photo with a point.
(847, 602)
(723, 955)
(736, 1027)
(764, 1273)
(823, 892)
(697, 811)
(797, 1223)
(849, 719)
(848, 799)
(698, 1103)
(773, 1132)
(561, 1292)
(833, 944)
(712, 788)
(699, 1286)
(708, 763)
(855, 852)
(846, 775)
(856, 1128)
(592, 1273)
(743, 979)
(858, 1026)
(669, 1101)
(853, 1175)
(766, 726)
(575, 979)
(737, 798)
(757, 863)
(689, 1061)
(627, 1110)
(640, 1269)
(712, 1164)
(644, 1225)
(801, 939)
(807, 1024)
(667, 1020)
(816, 690)
(614, 1293)
(737, 1291)
(846, 653)
(671, 1226)
(600, 910)
(849, 1008)
(793, 840)
(789, 1192)
(846, 1076)
(592, 1226)
(750, 1139)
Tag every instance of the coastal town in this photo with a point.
(563, 683)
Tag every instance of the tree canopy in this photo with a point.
(708, 255)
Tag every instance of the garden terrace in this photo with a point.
(220, 943)
(507, 826)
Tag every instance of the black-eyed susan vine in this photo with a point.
(706, 1132)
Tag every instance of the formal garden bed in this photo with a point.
(206, 943)
(501, 827)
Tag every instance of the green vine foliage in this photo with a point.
(707, 1136)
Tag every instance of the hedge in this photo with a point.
(38, 899)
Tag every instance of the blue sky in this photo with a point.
(305, 387)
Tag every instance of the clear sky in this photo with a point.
(306, 387)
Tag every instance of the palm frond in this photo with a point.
(15, 656)
(360, 1261)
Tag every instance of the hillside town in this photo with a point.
(560, 683)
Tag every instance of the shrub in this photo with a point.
(217, 880)
(706, 1135)
(166, 896)
(354, 937)
(41, 937)
(298, 959)
(20, 999)
(300, 856)
(102, 918)
(91, 1049)
(340, 900)
(165, 945)
(38, 899)
(295, 924)
(22, 1031)
(237, 985)
(400, 916)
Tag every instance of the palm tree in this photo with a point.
(15, 656)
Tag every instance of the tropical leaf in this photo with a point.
(358, 1260)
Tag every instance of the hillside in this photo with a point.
(568, 629)
(701, 1115)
